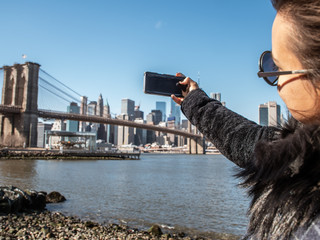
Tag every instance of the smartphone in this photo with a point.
(162, 84)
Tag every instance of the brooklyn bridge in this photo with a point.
(19, 110)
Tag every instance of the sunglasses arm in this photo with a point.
(273, 74)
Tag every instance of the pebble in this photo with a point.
(54, 225)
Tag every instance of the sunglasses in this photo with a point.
(269, 71)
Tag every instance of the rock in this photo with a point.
(55, 197)
(155, 230)
(181, 234)
(13, 200)
(38, 200)
(90, 224)
(5, 206)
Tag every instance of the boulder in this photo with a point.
(5, 206)
(55, 197)
(13, 199)
(155, 230)
(38, 200)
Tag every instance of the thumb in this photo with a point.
(177, 100)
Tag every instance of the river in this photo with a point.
(185, 192)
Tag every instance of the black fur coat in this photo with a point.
(280, 167)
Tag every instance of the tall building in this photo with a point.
(83, 111)
(127, 107)
(100, 106)
(184, 124)
(216, 96)
(125, 134)
(175, 112)
(269, 114)
(109, 129)
(101, 132)
(157, 116)
(150, 118)
(140, 135)
(73, 126)
(162, 107)
(138, 114)
(106, 111)
(42, 128)
(92, 108)
(171, 122)
(58, 125)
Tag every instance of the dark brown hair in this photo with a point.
(304, 16)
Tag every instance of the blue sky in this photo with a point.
(105, 46)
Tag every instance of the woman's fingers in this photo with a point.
(180, 75)
(191, 85)
(177, 100)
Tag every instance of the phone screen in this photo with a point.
(162, 84)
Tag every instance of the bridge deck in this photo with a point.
(119, 122)
(89, 118)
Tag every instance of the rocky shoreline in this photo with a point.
(23, 216)
(54, 225)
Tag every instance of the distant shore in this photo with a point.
(38, 153)
(72, 154)
(54, 225)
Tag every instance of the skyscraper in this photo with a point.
(42, 128)
(92, 108)
(150, 118)
(175, 112)
(138, 114)
(140, 135)
(100, 106)
(162, 107)
(125, 134)
(101, 131)
(83, 111)
(157, 116)
(108, 128)
(216, 96)
(106, 111)
(269, 114)
(73, 126)
(127, 107)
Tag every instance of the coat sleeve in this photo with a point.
(231, 133)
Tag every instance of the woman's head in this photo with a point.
(296, 46)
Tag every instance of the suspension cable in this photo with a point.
(54, 93)
(60, 82)
(60, 90)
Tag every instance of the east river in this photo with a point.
(185, 192)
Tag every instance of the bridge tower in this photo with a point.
(195, 146)
(20, 89)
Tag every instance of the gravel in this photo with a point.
(54, 225)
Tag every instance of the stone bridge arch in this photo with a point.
(20, 89)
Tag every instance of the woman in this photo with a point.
(281, 166)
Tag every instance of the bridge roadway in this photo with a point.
(88, 118)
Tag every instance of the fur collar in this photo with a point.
(284, 182)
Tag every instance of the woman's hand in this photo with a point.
(191, 85)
